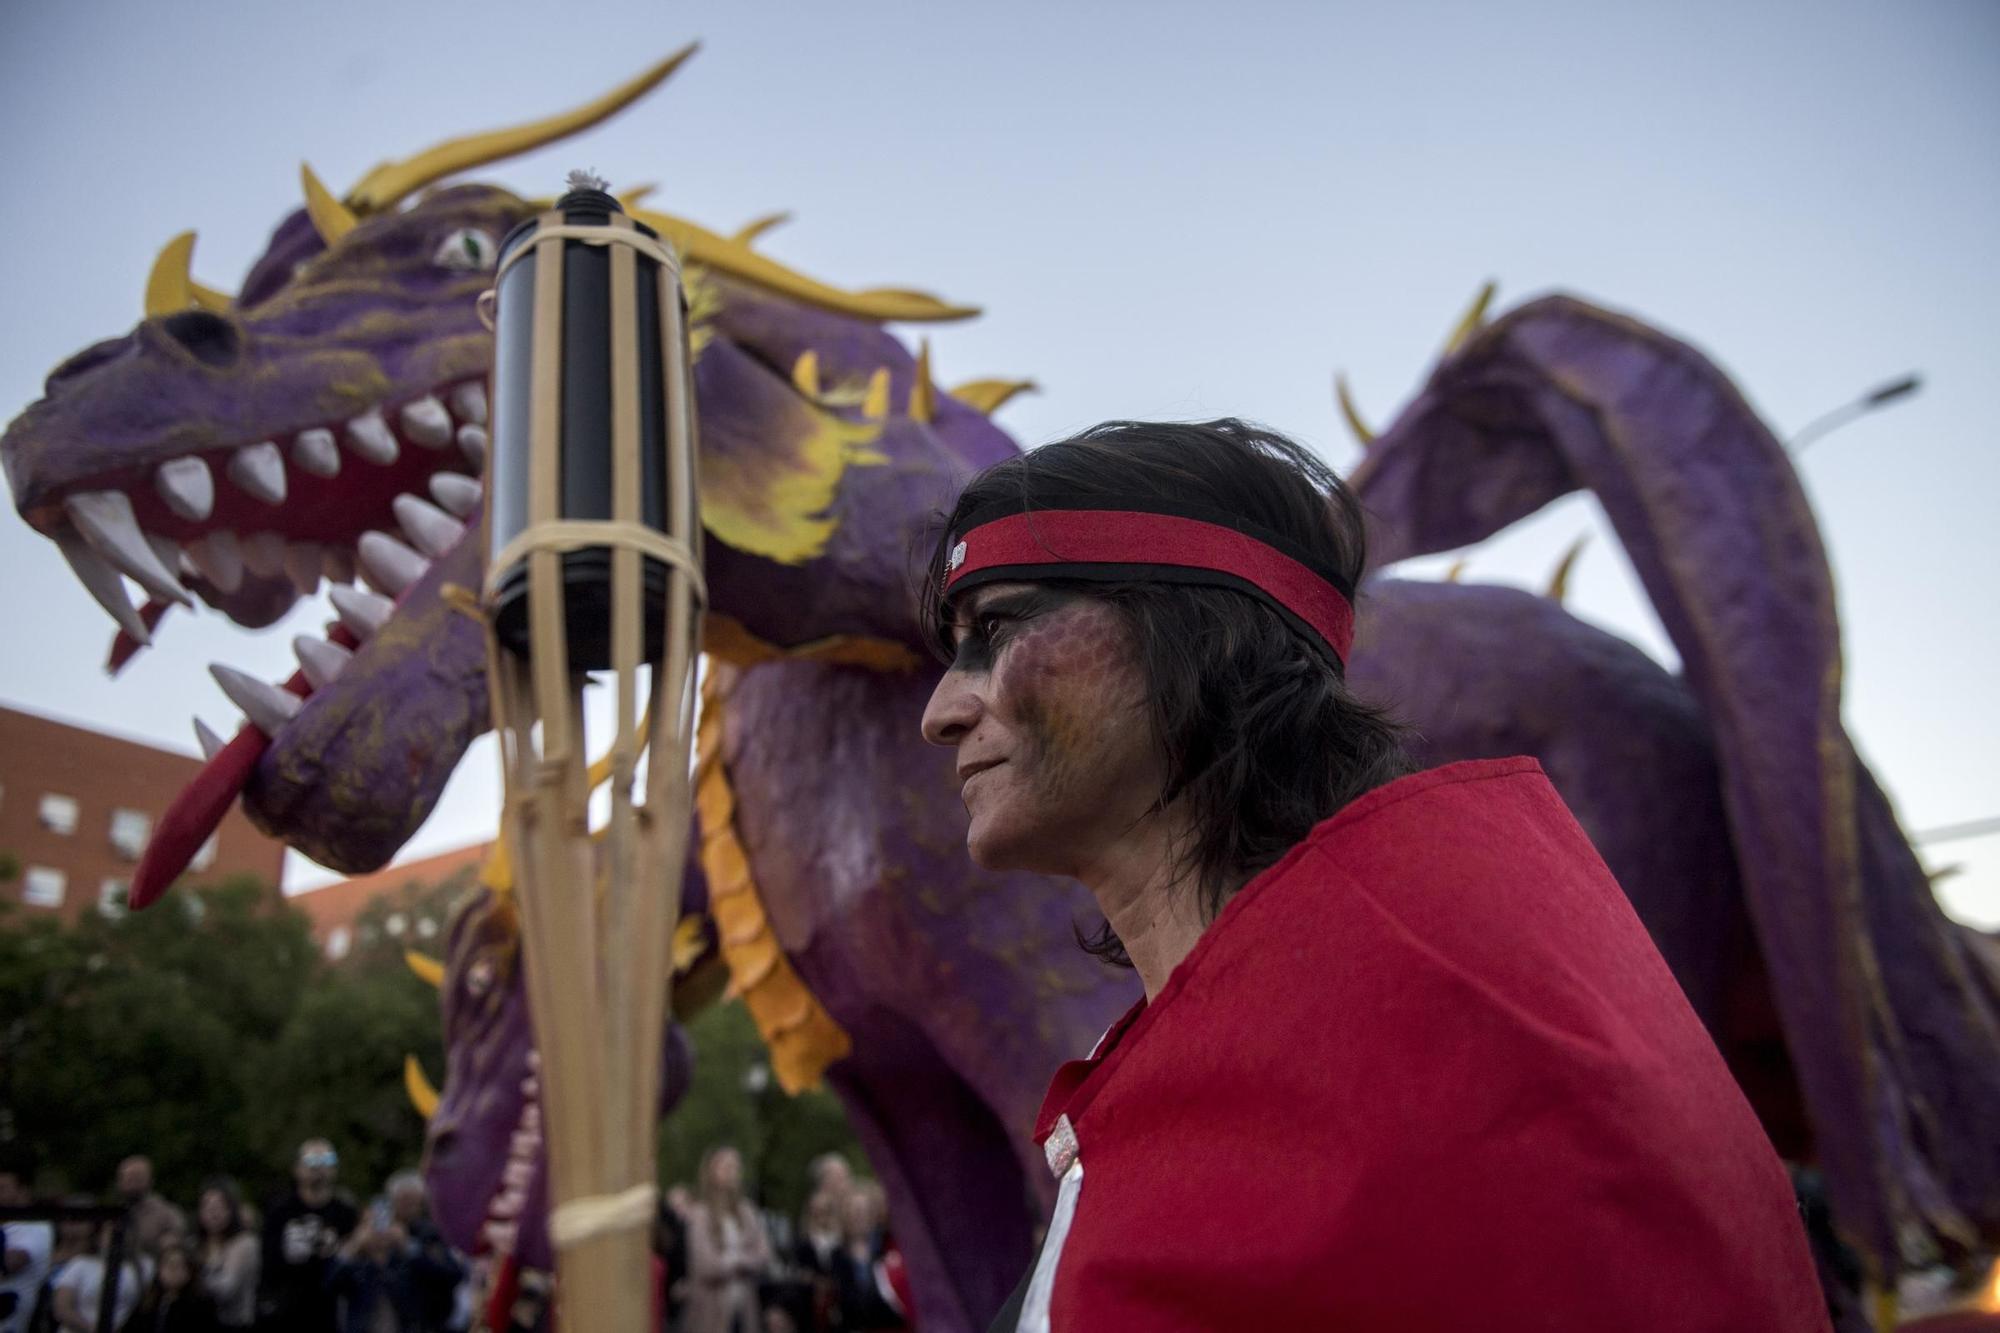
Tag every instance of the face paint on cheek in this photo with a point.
(1067, 677)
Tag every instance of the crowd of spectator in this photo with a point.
(734, 1268)
(311, 1261)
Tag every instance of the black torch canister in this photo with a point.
(553, 358)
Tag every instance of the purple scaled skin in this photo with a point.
(1888, 1015)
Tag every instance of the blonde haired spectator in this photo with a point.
(727, 1251)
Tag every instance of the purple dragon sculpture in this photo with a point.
(340, 397)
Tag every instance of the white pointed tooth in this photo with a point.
(167, 550)
(106, 521)
(187, 487)
(320, 660)
(431, 530)
(337, 564)
(208, 740)
(468, 400)
(362, 611)
(370, 437)
(260, 470)
(101, 581)
(267, 706)
(314, 451)
(219, 557)
(388, 564)
(426, 422)
(302, 566)
(264, 553)
(472, 440)
(457, 493)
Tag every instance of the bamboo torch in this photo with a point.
(593, 537)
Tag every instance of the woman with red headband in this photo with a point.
(1406, 1058)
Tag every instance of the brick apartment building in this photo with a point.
(76, 809)
(416, 898)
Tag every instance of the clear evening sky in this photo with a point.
(1166, 210)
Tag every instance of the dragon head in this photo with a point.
(329, 422)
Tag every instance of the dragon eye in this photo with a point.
(467, 248)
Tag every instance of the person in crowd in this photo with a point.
(150, 1221)
(426, 1274)
(868, 1268)
(25, 1249)
(175, 1301)
(303, 1230)
(228, 1253)
(74, 1237)
(727, 1251)
(816, 1252)
(77, 1292)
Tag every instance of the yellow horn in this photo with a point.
(330, 218)
(923, 394)
(629, 199)
(805, 373)
(688, 944)
(876, 405)
(428, 969)
(169, 288)
(1472, 320)
(418, 1086)
(1559, 581)
(393, 181)
(756, 227)
(702, 246)
(988, 395)
(1353, 414)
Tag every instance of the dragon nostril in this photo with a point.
(211, 338)
(88, 359)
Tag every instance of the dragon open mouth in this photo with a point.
(252, 528)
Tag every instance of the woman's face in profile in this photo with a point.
(1044, 704)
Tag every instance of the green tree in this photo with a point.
(734, 1100)
(148, 1033)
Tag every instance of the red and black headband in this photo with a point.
(1124, 540)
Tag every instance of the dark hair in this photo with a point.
(232, 1196)
(1260, 736)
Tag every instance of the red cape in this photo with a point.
(1426, 1073)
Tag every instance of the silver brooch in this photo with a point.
(957, 558)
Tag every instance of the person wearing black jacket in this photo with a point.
(302, 1232)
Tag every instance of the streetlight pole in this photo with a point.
(1881, 396)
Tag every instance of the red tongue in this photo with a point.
(124, 647)
(195, 813)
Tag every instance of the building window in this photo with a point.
(59, 813)
(338, 942)
(112, 897)
(204, 856)
(129, 831)
(44, 887)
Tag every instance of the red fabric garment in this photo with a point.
(1426, 1073)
